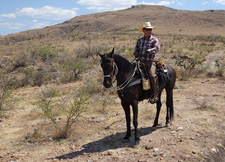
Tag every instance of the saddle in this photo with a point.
(162, 74)
(162, 71)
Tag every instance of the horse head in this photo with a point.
(109, 68)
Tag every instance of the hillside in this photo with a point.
(166, 20)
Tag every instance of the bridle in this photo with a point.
(115, 72)
(114, 69)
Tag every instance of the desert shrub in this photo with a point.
(53, 106)
(6, 86)
(92, 87)
(204, 105)
(71, 68)
(45, 53)
(189, 65)
(32, 77)
(19, 60)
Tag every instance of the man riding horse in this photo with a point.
(145, 51)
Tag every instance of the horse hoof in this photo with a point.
(137, 140)
(168, 124)
(155, 125)
(126, 137)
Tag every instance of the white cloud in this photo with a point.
(222, 2)
(15, 26)
(8, 15)
(205, 2)
(104, 5)
(47, 12)
(163, 3)
(37, 24)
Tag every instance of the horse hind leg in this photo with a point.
(158, 107)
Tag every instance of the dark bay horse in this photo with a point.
(130, 91)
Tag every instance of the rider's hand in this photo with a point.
(136, 54)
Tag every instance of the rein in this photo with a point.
(112, 74)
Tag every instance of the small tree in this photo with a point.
(52, 108)
(73, 111)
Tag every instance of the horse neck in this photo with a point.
(125, 69)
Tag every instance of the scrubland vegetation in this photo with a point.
(37, 65)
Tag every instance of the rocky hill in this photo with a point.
(166, 20)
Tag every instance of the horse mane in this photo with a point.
(122, 62)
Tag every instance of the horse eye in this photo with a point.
(108, 61)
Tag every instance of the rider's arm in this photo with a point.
(155, 46)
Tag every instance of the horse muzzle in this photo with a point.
(107, 83)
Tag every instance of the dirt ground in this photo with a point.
(197, 133)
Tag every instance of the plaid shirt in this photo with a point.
(149, 45)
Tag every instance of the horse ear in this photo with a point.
(112, 53)
(101, 55)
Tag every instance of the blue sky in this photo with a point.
(22, 15)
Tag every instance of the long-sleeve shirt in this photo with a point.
(147, 48)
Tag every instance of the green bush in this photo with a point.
(45, 52)
(71, 67)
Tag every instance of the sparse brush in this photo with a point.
(93, 87)
(204, 105)
(189, 65)
(53, 108)
(45, 53)
(6, 86)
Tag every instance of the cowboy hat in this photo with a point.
(146, 25)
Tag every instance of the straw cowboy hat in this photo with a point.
(146, 25)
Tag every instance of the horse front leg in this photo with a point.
(135, 119)
(158, 107)
(126, 108)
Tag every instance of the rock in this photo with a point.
(97, 119)
(214, 150)
(220, 145)
(148, 147)
(109, 153)
(173, 132)
(180, 128)
(193, 152)
(156, 150)
(142, 160)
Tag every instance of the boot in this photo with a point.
(154, 85)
